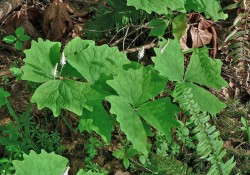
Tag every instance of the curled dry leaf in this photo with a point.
(200, 36)
(200, 32)
(57, 21)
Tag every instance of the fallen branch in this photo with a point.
(147, 46)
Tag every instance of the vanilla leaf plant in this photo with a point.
(91, 74)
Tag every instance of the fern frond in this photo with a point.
(111, 18)
(237, 42)
(169, 165)
(210, 146)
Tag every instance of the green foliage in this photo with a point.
(159, 26)
(38, 164)
(49, 141)
(65, 94)
(18, 39)
(98, 120)
(209, 146)
(182, 134)
(246, 127)
(160, 6)
(38, 62)
(204, 70)
(168, 165)
(169, 60)
(114, 17)
(212, 9)
(189, 96)
(93, 61)
(134, 88)
(179, 25)
(125, 153)
(91, 150)
(236, 43)
(208, 102)
(3, 97)
(16, 72)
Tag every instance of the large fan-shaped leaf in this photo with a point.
(130, 122)
(159, 26)
(158, 6)
(65, 94)
(98, 120)
(211, 8)
(205, 70)
(206, 100)
(38, 65)
(40, 164)
(169, 60)
(161, 115)
(137, 86)
(41, 59)
(91, 61)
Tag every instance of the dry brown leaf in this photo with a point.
(200, 37)
(20, 19)
(57, 22)
(200, 32)
(77, 30)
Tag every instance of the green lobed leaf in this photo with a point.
(98, 120)
(24, 38)
(159, 26)
(161, 115)
(3, 96)
(130, 123)
(206, 100)
(38, 66)
(205, 70)
(160, 6)
(66, 94)
(17, 72)
(137, 86)
(212, 9)
(9, 39)
(38, 164)
(19, 31)
(41, 59)
(18, 45)
(169, 60)
(92, 61)
(179, 24)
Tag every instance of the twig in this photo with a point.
(116, 34)
(147, 46)
(124, 39)
(4, 73)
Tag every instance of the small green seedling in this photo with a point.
(18, 39)
(125, 155)
(246, 127)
